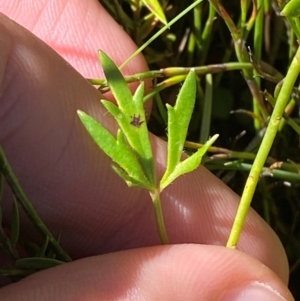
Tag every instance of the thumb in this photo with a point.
(174, 272)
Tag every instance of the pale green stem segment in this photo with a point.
(28, 208)
(159, 217)
(263, 151)
(207, 108)
(258, 41)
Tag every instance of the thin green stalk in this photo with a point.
(241, 53)
(279, 174)
(21, 197)
(244, 12)
(191, 49)
(206, 34)
(172, 71)
(155, 196)
(207, 107)
(264, 150)
(292, 42)
(267, 22)
(197, 12)
(258, 39)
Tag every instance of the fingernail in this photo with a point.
(256, 291)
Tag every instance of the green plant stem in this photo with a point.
(206, 34)
(284, 175)
(239, 36)
(258, 39)
(155, 196)
(28, 208)
(263, 151)
(174, 71)
(207, 107)
(197, 12)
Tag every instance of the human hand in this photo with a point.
(72, 186)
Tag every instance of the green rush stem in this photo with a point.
(155, 196)
(207, 107)
(258, 39)
(244, 12)
(191, 48)
(26, 205)
(287, 176)
(206, 34)
(197, 12)
(242, 55)
(263, 151)
(172, 71)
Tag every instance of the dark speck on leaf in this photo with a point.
(136, 121)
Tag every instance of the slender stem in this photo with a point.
(241, 52)
(258, 39)
(263, 151)
(155, 196)
(28, 208)
(172, 71)
(206, 34)
(207, 107)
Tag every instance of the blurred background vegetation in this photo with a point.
(240, 53)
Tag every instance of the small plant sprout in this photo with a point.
(131, 150)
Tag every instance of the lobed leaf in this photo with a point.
(130, 115)
(179, 117)
(117, 149)
(189, 164)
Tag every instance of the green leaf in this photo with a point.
(179, 117)
(291, 9)
(155, 7)
(189, 164)
(15, 224)
(117, 149)
(37, 263)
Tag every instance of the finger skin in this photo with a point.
(76, 30)
(70, 182)
(178, 272)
